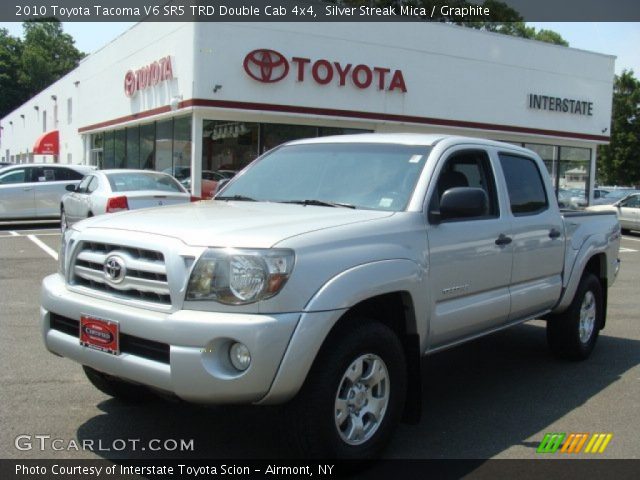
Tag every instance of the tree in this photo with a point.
(27, 66)
(619, 162)
(12, 93)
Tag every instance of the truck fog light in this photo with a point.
(240, 356)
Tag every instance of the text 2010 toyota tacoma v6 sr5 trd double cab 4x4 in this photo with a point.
(323, 273)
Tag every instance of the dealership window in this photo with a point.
(228, 145)
(97, 150)
(44, 121)
(164, 144)
(119, 152)
(108, 159)
(574, 169)
(69, 110)
(274, 134)
(147, 145)
(133, 148)
(181, 142)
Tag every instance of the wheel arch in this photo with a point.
(392, 290)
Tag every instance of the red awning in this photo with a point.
(47, 144)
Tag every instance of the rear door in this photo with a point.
(469, 264)
(17, 193)
(538, 236)
(50, 185)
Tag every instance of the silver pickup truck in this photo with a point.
(323, 273)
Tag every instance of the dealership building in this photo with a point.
(216, 95)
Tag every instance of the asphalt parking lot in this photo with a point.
(492, 398)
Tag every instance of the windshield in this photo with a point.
(369, 176)
(132, 181)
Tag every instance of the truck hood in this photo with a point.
(231, 223)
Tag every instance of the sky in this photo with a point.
(613, 38)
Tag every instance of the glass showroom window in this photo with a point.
(228, 145)
(133, 147)
(574, 169)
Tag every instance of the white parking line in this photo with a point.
(16, 234)
(631, 238)
(625, 249)
(43, 246)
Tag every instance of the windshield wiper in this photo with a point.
(239, 198)
(320, 203)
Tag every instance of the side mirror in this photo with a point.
(461, 202)
(70, 188)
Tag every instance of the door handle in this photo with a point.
(503, 240)
(554, 233)
(27, 189)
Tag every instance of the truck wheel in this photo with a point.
(573, 334)
(125, 391)
(354, 394)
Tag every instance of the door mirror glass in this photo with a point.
(70, 188)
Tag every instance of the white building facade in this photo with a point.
(216, 95)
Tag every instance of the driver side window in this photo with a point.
(631, 202)
(467, 168)
(82, 188)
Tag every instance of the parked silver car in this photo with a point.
(34, 190)
(109, 191)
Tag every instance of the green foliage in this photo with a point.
(11, 92)
(27, 66)
(619, 162)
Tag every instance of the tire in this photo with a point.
(344, 410)
(573, 334)
(112, 386)
(625, 231)
(63, 221)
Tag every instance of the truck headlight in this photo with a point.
(239, 276)
(65, 245)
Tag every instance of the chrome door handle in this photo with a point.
(27, 189)
(503, 240)
(554, 233)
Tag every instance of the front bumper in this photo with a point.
(197, 367)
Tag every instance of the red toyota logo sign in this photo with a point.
(267, 66)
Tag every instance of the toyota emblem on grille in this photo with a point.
(267, 66)
(114, 269)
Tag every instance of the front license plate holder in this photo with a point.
(100, 334)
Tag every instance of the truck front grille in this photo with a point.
(131, 344)
(144, 278)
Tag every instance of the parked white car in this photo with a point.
(32, 190)
(627, 209)
(109, 191)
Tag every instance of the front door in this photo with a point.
(470, 262)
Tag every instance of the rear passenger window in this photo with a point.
(63, 174)
(527, 194)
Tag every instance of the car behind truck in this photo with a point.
(323, 273)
